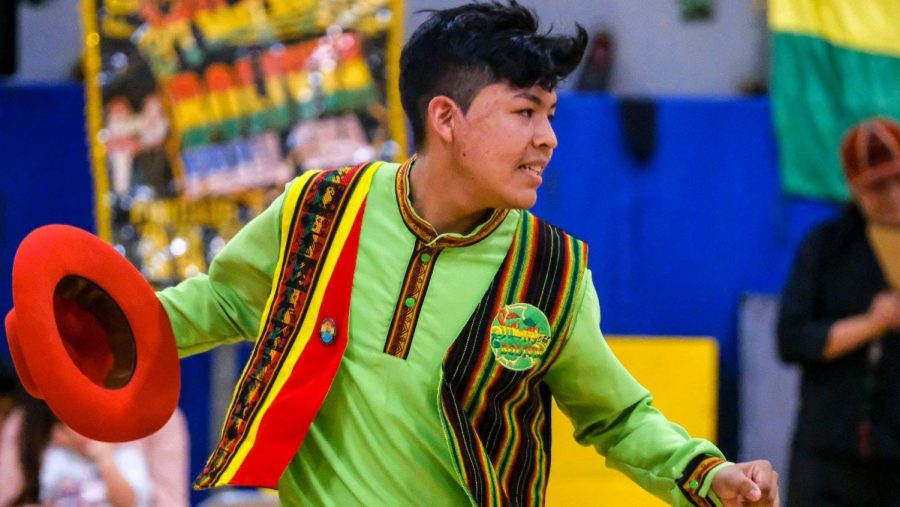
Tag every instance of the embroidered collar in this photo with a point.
(424, 231)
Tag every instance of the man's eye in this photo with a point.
(527, 112)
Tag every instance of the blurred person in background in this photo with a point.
(42, 461)
(8, 389)
(840, 322)
(168, 456)
(8, 394)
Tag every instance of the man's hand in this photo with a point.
(751, 483)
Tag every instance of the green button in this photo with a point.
(695, 484)
(425, 257)
(410, 302)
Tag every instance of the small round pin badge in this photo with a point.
(328, 331)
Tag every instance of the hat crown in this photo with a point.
(869, 147)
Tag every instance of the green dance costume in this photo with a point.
(394, 366)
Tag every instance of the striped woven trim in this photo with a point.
(504, 436)
(314, 207)
(469, 455)
(423, 230)
(694, 475)
(409, 303)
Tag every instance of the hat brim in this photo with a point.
(123, 405)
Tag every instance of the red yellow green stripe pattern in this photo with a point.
(834, 63)
(421, 263)
(695, 474)
(409, 303)
(497, 419)
(423, 230)
(279, 392)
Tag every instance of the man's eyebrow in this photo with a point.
(534, 98)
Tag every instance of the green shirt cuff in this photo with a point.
(706, 490)
(696, 480)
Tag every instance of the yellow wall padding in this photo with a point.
(682, 374)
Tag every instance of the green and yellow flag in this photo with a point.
(836, 62)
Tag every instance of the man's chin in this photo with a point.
(522, 203)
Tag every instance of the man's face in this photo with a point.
(504, 142)
(880, 201)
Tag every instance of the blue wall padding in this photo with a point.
(673, 243)
(44, 171)
(45, 178)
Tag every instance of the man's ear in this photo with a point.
(442, 117)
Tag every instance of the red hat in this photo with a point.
(870, 151)
(88, 335)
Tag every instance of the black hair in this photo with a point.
(34, 437)
(458, 51)
(8, 384)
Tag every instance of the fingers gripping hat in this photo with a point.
(870, 151)
(88, 335)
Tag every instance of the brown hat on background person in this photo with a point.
(870, 155)
(870, 152)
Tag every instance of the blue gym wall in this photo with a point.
(674, 242)
(45, 178)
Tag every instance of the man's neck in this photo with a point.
(440, 198)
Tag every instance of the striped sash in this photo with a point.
(303, 333)
(497, 409)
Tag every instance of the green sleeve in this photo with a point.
(225, 306)
(613, 413)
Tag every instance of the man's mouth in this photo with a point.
(534, 168)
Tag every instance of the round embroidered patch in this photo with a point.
(520, 335)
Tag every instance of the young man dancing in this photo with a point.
(414, 322)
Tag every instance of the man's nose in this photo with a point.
(544, 136)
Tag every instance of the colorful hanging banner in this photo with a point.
(835, 64)
(199, 111)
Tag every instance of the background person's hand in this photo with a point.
(93, 450)
(884, 311)
(747, 484)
